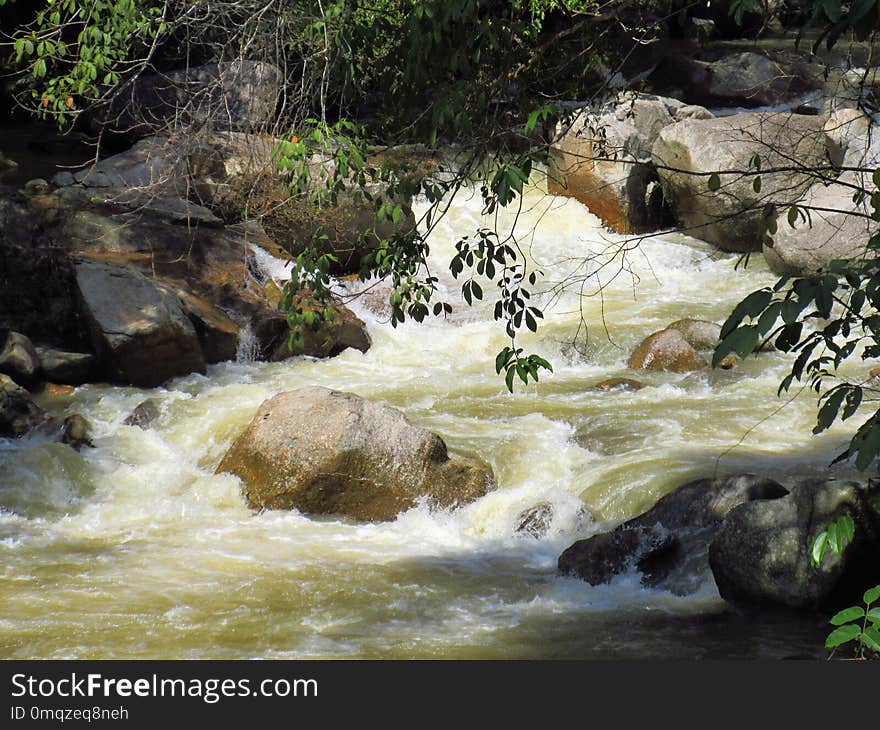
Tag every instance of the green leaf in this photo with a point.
(871, 595)
(870, 637)
(756, 184)
(508, 379)
(841, 636)
(817, 551)
(847, 615)
(714, 182)
(742, 341)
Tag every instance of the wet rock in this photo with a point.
(140, 333)
(218, 334)
(62, 367)
(618, 384)
(685, 153)
(326, 452)
(76, 432)
(18, 357)
(144, 414)
(18, 412)
(669, 543)
(666, 350)
(761, 553)
(536, 520)
(604, 160)
(699, 333)
(346, 330)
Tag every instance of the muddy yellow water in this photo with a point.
(136, 549)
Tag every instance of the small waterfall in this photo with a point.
(248, 345)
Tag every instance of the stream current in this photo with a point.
(136, 549)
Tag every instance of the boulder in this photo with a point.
(837, 227)
(666, 350)
(144, 414)
(140, 332)
(687, 153)
(745, 79)
(18, 412)
(700, 334)
(345, 330)
(669, 543)
(236, 95)
(67, 368)
(761, 554)
(325, 452)
(76, 432)
(603, 158)
(18, 357)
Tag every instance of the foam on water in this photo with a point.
(138, 549)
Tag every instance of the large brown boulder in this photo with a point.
(603, 158)
(688, 153)
(326, 452)
(666, 350)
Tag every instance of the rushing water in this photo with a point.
(136, 549)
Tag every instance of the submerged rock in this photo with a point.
(669, 543)
(618, 384)
(144, 414)
(326, 452)
(536, 520)
(76, 432)
(761, 554)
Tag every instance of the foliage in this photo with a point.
(858, 624)
(835, 536)
(74, 51)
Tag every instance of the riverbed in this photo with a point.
(136, 549)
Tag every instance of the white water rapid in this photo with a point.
(136, 549)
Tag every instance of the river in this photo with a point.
(136, 549)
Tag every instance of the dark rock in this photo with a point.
(68, 368)
(18, 412)
(237, 95)
(669, 543)
(761, 554)
(76, 432)
(536, 520)
(144, 414)
(327, 452)
(140, 333)
(18, 358)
